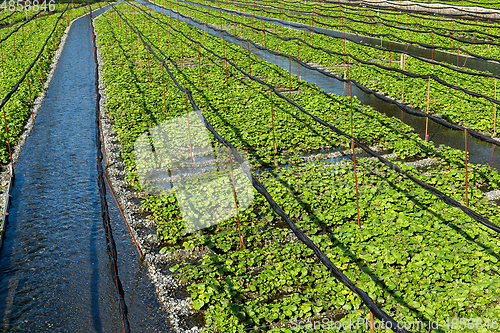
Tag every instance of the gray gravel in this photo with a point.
(179, 309)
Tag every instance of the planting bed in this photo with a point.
(417, 257)
(401, 74)
(20, 48)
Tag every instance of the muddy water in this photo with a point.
(54, 269)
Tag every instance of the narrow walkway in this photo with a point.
(54, 269)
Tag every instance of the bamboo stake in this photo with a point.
(390, 53)
(189, 130)
(265, 46)
(242, 244)
(149, 68)
(426, 118)
(14, 38)
(223, 44)
(290, 76)
(41, 71)
(272, 119)
(354, 156)
(380, 40)
(298, 58)
(466, 173)
(139, 50)
(199, 63)
(8, 140)
(371, 322)
(227, 84)
(31, 100)
(163, 82)
(345, 59)
(249, 62)
(1, 50)
(495, 112)
(403, 92)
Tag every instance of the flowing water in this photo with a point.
(55, 272)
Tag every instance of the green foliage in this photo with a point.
(418, 258)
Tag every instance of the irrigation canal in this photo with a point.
(479, 151)
(55, 272)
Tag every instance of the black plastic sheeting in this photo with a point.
(450, 201)
(111, 246)
(403, 107)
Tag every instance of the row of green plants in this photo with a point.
(390, 17)
(25, 10)
(414, 255)
(454, 106)
(17, 54)
(426, 26)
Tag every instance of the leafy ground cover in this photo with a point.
(18, 52)
(425, 29)
(452, 105)
(8, 17)
(417, 257)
